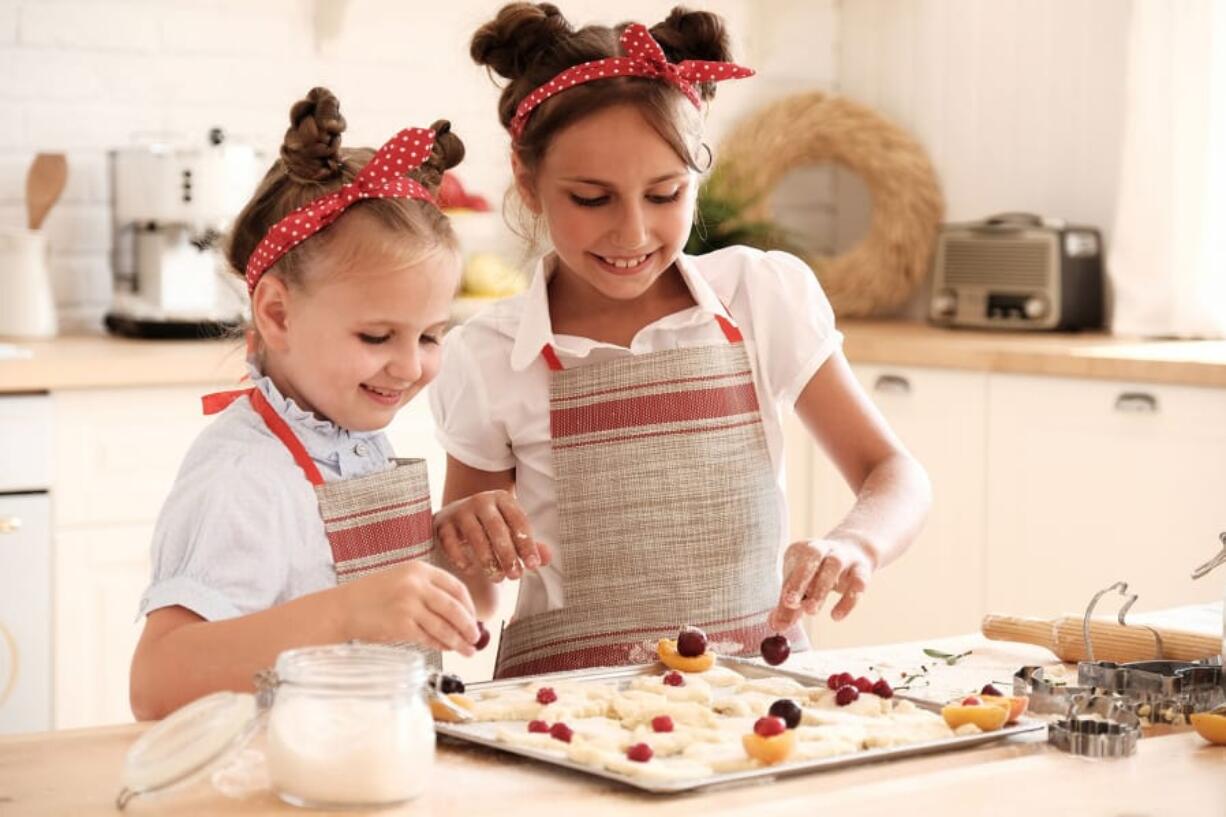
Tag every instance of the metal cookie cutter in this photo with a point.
(1096, 726)
(1157, 691)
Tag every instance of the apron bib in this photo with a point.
(668, 511)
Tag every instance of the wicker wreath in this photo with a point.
(878, 274)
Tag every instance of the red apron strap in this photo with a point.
(729, 329)
(551, 358)
(219, 401)
(280, 428)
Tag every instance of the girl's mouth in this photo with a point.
(624, 265)
(384, 397)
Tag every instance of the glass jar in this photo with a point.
(349, 726)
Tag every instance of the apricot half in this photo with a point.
(987, 717)
(442, 713)
(1015, 705)
(775, 749)
(1210, 726)
(667, 650)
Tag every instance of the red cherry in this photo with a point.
(846, 694)
(768, 726)
(846, 678)
(562, 732)
(971, 700)
(538, 726)
(483, 636)
(546, 695)
(988, 689)
(640, 752)
(863, 684)
(833, 682)
(674, 679)
(662, 723)
(691, 642)
(775, 649)
(882, 689)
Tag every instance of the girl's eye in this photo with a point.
(582, 202)
(669, 199)
(431, 340)
(374, 340)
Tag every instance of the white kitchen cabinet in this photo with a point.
(936, 586)
(1091, 482)
(100, 574)
(117, 452)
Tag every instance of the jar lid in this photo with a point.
(188, 743)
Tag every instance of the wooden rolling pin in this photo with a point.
(1063, 636)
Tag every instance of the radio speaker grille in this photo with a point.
(1000, 262)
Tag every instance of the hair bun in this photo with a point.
(692, 35)
(311, 150)
(446, 153)
(517, 36)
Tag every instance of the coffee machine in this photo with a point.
(171, 203)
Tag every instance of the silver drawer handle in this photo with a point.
(892, 384)
(10, 524)
(1137, 402)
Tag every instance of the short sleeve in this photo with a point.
(793, 324)
(220, 546)
(460, 403)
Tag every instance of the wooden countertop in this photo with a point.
(100, 361)
(76, 773)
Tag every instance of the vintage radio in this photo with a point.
(1018, 271)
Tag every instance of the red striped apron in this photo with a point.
(668, 511)
(371, 522)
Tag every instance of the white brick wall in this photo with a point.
(84, 76)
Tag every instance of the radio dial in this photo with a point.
(1036, 307)
(945, 304)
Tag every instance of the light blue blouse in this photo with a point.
(241, 530)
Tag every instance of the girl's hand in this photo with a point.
(489, 533)
(414, 602)
(814, 568)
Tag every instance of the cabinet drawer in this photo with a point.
(117, 451)
(25, 443)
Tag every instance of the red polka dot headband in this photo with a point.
(382, 178)
(644, 58)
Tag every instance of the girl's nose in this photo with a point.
(631, 230)
(405, 365)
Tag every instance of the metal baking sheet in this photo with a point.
(480, 733)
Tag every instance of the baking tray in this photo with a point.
(484, 733)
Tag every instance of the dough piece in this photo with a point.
(656, 770)
(725, 756)
(744, 704)
(694, 689)
(719, 676)
(779, 686)
(634, 707)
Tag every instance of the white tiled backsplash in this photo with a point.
(83, 77)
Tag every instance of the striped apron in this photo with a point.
(371, 522)
(668, 511)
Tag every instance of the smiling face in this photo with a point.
(617, 200)
(360, 336)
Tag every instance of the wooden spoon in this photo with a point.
(44, 183)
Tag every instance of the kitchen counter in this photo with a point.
(77, 772)
(100, 361)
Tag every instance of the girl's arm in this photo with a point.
(484, 532)
(892, 491)
(181, 657)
